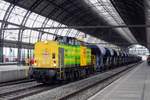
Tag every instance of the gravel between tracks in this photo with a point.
(27, 92)
(20, 90)
(16, 82)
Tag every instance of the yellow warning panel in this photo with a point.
(46, 54)
(83, 58)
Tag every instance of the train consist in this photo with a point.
(68, 59)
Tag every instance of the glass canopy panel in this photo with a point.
(76, 35)
(72, 33)
(81, 36)
(59, 31)
(52, 31)
(50, 24)
(38, 21)
(34, 36)
(30, 36)
(26, 36)
(31, 19)
(3, 7)
(64, 32)
(11, 34)
(17, 15)
(69, 31)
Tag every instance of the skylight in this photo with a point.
(106, 10)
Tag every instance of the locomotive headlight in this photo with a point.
(45, 42)
(35, 64)
(54, 64)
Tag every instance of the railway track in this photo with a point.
(28, 88)
(78, 90)
(21, 93)
(21, 90)
(16, 82)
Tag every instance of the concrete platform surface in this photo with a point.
(12, 72)
(133, 86)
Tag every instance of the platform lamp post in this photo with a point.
(2, 45)
(1, 50)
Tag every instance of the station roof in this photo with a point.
(133, 13)
(86, 13)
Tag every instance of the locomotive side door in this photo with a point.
(61, 57)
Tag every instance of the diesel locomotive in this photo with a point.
(67, 58)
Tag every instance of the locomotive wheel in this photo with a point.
(72, 76)
(67, 75)
(76, 75)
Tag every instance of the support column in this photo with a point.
(147, 15)
(1, 51)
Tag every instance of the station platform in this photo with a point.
(12, 72)
(133, 86)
